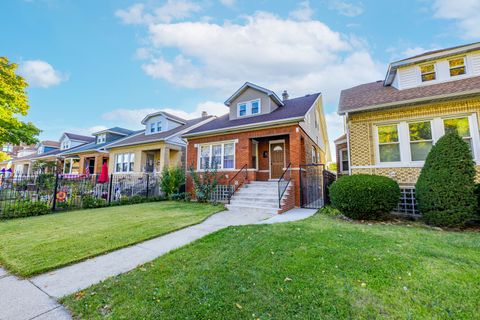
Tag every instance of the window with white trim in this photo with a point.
(217, 155)
(152, 127)
(457, 66)
(159, 126)
(101, 138)
(124, 162)
(460, 126)
(388, 143)
(7, 148)
(249, 108)
(314, 155)
(343, 160)
(421, 140)
(428, 72)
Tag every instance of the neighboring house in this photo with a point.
(15, 151)
(263, 134)
(341, 149)
(157, 146)
(392, 124)
(91, 156)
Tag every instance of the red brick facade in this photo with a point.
(297, 151)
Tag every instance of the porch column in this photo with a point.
(98, 164)
(164, 158)
(81, 165)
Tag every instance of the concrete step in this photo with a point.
(254, 209)
(243, 203)
(259, 191)
(255, 198)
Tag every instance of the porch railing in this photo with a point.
(283, 183)
(242, 173)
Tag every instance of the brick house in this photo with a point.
(264, 135)
(392, 124)
(341, 152)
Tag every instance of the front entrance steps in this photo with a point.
(257, 196)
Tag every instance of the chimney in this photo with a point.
(204, 114)
(285, 95)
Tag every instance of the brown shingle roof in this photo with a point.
(141, 137)
(376, 95)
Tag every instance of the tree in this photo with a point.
(4, 156)
(13, 103)
(172, 179)
(445, 190)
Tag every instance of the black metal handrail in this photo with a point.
(283, 183)
(236, 186)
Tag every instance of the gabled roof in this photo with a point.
(79, 137)
(50, 143)
(247, 85)
(141, 137)
(341, 139)
(293, 110)
(375, 95)
(166, 115)
(115, 130)
(93, 146)
(427, 56)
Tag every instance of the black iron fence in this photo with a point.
(22, 196)
(314, 183)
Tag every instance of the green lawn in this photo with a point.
(319, 268)
(37, 244)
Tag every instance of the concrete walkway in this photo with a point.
(35, 298)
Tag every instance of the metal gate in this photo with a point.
(314, 183)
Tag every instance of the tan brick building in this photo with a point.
(264, 135)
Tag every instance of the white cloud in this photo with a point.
(40, 73)
(345, 8)
(87, 131)
(301, 56)
(228, 3)
(131, 118)
(303, 13)
(170, 11)
(464, 12)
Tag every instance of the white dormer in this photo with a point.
(161, 121)
(101, 138)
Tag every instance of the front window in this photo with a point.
(428, 72)
(242, 110)
(459, 126)
(388, 143)
(343, 160)
(219, 156)
(420, 140)
(124, 162)
(457, 67)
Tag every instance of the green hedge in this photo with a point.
(445, 190)
(363, 196)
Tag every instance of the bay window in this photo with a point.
(388, 143)
(217, 155)
(124, 162)
(421, 140)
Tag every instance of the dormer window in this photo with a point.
(65, 145)
(101, 138)
(159, 126)
(152, 127)
(428, 72)
(457, 66)
(249, 108)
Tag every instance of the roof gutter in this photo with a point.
(246, 126)
(412, 101)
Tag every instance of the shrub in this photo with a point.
(171, 181)
(89, 201)
(183, 196)
(363, 196)
(26, 208)
(205, 183)
(445, 190)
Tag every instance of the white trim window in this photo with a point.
(249, 108)
(101, 138)
(159, 126)
(457, 66)
(421, 139)
(314, 155)
(388, 143)
(407, 144)
(428, 72)
(152, 127)
(7, 148)
(343, 157)
(124, 162)
(217, 155)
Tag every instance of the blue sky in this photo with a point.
(96, 64)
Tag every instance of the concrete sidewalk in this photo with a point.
(35, 298)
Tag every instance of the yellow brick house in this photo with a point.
(392, 124)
